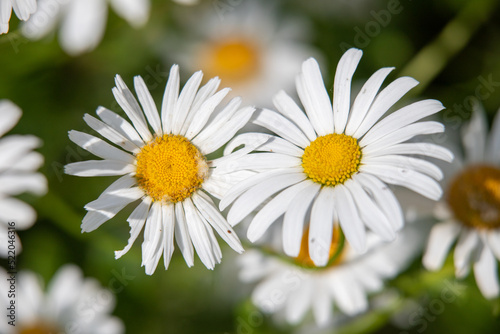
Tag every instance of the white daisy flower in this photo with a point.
(167, 169)
(22, 8)
(249, 46)
(72, 304)
(337, 160)
(82, 21)
(470, 211)
(290, 288)
(18, 165)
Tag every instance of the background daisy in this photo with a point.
(18, 165)
(252, 49)
(166, 170)
(470, 212)
(336, 160)
(70, 304)
(343, 286)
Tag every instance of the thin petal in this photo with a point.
(185, 101)
(99, 147)
(418, 165)
(120, 125)
(136, 221)
(485, 271)
(11, 114)
(440, 240)
(349, 219)
(182, 235)
(99, 168)
(170, 99)
(342, 87)
(148, 104)
(271, 144)
(288, 108)
(493, 145)
(111, 134)
(425, 149)
(321, 226)
(464, 250)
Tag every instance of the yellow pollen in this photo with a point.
(38, 328)
(170, 168)
(336, 253)
(234, 60)
(331, 159)
(474, 197)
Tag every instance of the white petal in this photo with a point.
(110, 134)
(259, 161)
(404, 134)
(136, 12)
(384, 101)
(349, 219)
(322, 304)
(12, 209)
(383, 196)
(485, 271)
(44, 20)
(342, 87)
(11, 114)
(136, 221)
(405, 177)
(365, 98)
(185, 101)
(474, 135)
(203, 114)
(114, 198)
(418, 165)
(349, 295)
(216, 139)
(148, 104)
(120, 125)
(28, 163)
(99, 147)
(271, 144)
(199, 236)
(83, 25)
(274, 209)
(182, 235)
(299, 302)
(5, 13)
(317, 101)
(288, 108)
(253, 197)
(369, 211)
(295, 217)
(400, 118)
(466, 245)
(426, 149)
(494, 242)
(153, 234)
(170, 99)
(321, 226)
(440, 240)
(98, 168)
(208, 210)
(281, 126)
(15, 184)
(493, 145)
(14, 147)
(248, 183)
(24, 8)
(129, 104)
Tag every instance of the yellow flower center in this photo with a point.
(336, 253)
(38, 328)
(474, 196)
(234, 60)
(170, 168)
(331, 159)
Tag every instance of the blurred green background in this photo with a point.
(448, 45)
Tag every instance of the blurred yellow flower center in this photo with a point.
(336, 250)
(170, 168)
(234, 61)
(38, 328)
(474, 196)
(331, 159)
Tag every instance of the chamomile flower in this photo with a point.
(167, 169)
(253, 49)
(470, 212)
(18, 165)
(343, 285)
(22, 8)
(83, 22)
(71, 304)
(336, 160)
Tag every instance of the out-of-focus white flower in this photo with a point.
(470, 212)
(249, 46)
(18, 165)
(291, 287)
(72, 304)
(83, 22)
(22, 8)
(167, 169)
